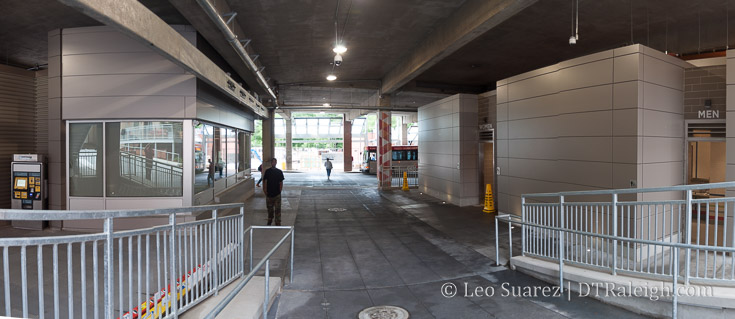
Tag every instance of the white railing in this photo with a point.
(620, 231)
(396, 173)
(156, 272)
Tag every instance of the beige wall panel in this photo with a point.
(594, 149)
(585, 75)
(541, 106)
(662, 149)
(587, 59)
(585, 124)
(54, 87)
(502, 132)
(730, 74)
(593, 174)
(662, 174)
(502, 110)
(546, 149)
(596, 98)
(80, 203)
(625, 150)
(502, 94)
(662, 73)
(626, 122)
(544, 170)
(502, 149)
(54, 109)
(530, 74)
(436, 135)
(537, 86)
(100, 42)
(442, 160)
(129, 84)
(730, 101)
(662, 98)
(543, 127)
(623, 174)
(662, 124)
(437, 122)
(54, 66)
(628, 95)
(519, 186)
(143, 203)
(469, 176)
(119, 63)
(150, 107)
(628, 68)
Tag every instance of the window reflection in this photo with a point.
(85, 159)
(144, 159)
(203, 151)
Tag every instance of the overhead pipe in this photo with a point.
(235, 43)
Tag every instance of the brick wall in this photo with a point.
(701, 84)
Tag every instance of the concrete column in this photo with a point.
(269, 146)
(289, 147)
(384, 144)
(347, 145)
(404, 132)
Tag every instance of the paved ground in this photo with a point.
(398, 248)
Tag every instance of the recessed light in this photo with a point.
(331, 77)
(326, 105)
(339, 49)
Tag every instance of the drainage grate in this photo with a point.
(383, 312)
(337, 210)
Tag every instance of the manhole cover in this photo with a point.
(337, 209)
(383, 312)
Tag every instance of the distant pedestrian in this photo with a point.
(328, 166)
(149, 153)
(272, 187)
(260, 169)
(210, 175)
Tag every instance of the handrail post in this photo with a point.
(497, 244)
(689, 236)
(109, 269)
(523, 226)
(215, 247)
(267, 289)
(173, 287)
(615, 233)
(290, 280)
(250, 249)
(561, 242)
(675, 279)
(242, 241)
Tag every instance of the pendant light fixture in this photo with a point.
(575, 23)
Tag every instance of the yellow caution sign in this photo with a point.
(489, 202)
(405, 181)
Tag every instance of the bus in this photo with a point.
(402, 155)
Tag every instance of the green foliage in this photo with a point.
(257, 138)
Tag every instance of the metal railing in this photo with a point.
(396, 174)
(265, 264)
(154, 175)
(628, 233)
(156, 272)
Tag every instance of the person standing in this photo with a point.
(260, 169)
(272, 187)
(210, 175)
(149, 153)
(328, 166)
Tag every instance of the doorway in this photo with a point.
(486, 164)
(706, 151)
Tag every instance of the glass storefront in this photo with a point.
(85, 159)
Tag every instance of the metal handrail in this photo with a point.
(184, 262)
(253, 270)
(635, 190)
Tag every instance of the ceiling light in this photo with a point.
(339, 49)
(331, 77)
(326, 105)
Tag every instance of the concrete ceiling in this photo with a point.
(294, 38)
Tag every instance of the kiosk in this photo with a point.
(28, 187)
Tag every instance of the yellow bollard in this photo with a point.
(489, 202)
(405, 181)
(283, 165)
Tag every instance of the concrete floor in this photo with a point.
(399, 248)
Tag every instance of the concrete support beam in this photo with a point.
(470, 21)
(384, 146)
(347, 145)
(135, 20)
(404, 132)
(269, 139)
(289, 144)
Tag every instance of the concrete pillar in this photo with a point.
(347, 145)
(404, 132)
(384, 144)
(269, 145)
(289, 142)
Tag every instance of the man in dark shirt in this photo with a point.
(272, 186)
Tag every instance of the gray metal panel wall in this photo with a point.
(216, 108)
(17, 121)
(42, 112)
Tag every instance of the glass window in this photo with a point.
(300, 126)
(144, 159)
(231, 168)
(279, 126)
(399, 155)
(357, 125)
(221, 151)
(243, 152)
(323, 126)
(203, 156)
(85, 159)
(412, 155)
(311, 126)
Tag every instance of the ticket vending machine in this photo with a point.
(29, 187)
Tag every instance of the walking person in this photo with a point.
(272, 187)
(328, 166)
(210, 175)
(260, 169)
